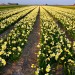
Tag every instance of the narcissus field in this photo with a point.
(56, 42)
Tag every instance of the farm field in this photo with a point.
(37, 40)
(3, 7)
(69, 7)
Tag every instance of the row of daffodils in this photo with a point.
(66, 17)
(11, 46)
(8, 21)
(7, 13)
(55, 49)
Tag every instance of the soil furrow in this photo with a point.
(60, 70)
(10, 27)
(66, 15)
(60, 25)
(28, 57)
(11, 15)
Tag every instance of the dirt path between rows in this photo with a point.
(6, 31)
(1, 19)
(60, 25)
(28, 57)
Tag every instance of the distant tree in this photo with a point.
(13, 3)
(74, 4)
(46, 4)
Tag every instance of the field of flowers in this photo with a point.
(66, 17)
(56, 53)
(12, 45)
(4, 24)
(55, 49)
(68, 7)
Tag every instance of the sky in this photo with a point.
(63, 2)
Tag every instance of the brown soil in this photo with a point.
(6, 31)
(60, 25)
(28, 57)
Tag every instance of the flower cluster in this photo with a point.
(6, 13)
(8, 21)
(12, 46)
(55, 48)
(66, 17)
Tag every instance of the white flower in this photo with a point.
(48, 68)
(13, 42)
(1, 40)
(47, 74)
(19, 49)
(4, 46)
(57, 56)
(52, 55)
(14, 48)
(37, 71)
(62, 58)
(3, 62)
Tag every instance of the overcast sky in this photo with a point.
(64, 2)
